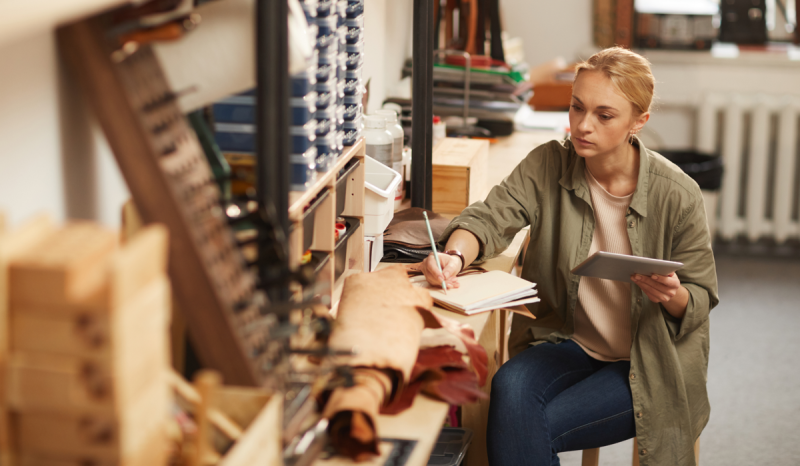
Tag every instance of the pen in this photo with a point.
(435, 252)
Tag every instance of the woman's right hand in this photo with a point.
(451, 266)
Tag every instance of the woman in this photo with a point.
(604, 361)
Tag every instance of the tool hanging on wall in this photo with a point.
(466, 24)
(171, 183)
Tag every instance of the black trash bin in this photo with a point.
(706, 170)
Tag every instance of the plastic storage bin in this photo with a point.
(355, 55)
(326, 7)
(324, 99)
(310, 9)
(308, 219)
(326, 120)
(341, 185)
(380, 187)
(327, 35)
(303, 82)
(352, 82)
(326, 151)
(355, 8)
(303, 172)
(340, 250)
(303, 137)
(352, 130)
(352, 106)
(242, 109)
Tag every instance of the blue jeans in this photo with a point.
(553, 398)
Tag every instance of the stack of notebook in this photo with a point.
(483, 292)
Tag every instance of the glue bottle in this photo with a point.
(378, 139)
(397, 150)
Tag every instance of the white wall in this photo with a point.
(53, 157)
(549, 28)
(387, 29)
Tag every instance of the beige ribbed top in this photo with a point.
(603, 311)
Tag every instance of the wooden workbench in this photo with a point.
(423, 421)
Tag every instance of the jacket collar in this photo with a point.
(574, 178)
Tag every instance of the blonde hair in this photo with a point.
(629, 72)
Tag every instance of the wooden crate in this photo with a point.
(68, 266)
(105, 436)
(459, 173)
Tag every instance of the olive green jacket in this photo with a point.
(666, 220)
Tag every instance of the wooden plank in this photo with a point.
(354, 202)
(171, 184)
(107, 436)
(354, 258)
(261, 443)
(459, 173)
(188, 399)
(324, 220)
(142, 260)
(97, 383)
(68, 267)
(13, 244)
(156, 452)
(77, 334)
(450, 189)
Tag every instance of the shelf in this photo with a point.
(21, 19)
(299, 199)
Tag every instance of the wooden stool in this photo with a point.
(591, 457)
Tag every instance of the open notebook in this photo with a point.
(482, 292)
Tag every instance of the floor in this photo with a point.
(754, 372)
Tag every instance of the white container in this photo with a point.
(378, 139)
(373, 252)
(439, 130)
(397, 149)
(380, 185)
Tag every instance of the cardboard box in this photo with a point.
(459, 173)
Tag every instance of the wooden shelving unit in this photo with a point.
(324, 219)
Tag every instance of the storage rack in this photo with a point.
(273, 145)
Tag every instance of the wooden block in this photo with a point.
(67, 267)
(261, 442)
(12, 245)
(156, 452)
(78, 334)
(459, 173)
(142, 260)
(551, 96)
(62, 382)
(89, 333)
(104, 436)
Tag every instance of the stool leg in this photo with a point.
(635, 461)
(697, 452)
(591, 457)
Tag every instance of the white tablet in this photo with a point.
(620, 267)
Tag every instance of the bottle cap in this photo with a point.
(436, 119)
(391, 116)
(375, 121)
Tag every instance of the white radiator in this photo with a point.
(759, 187)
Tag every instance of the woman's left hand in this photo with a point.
(659, 288)
(665, 289)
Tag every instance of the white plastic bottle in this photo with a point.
(397, 150)
(378, 139)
